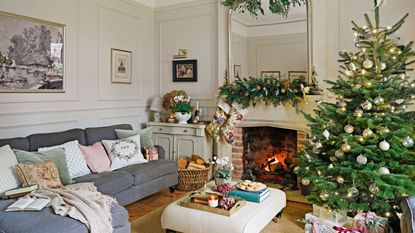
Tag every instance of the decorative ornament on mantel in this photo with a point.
(278, 7)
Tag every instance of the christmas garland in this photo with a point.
(278, 7)
(267, 90)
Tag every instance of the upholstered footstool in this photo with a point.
(251, 218)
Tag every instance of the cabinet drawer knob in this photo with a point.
(185, 131)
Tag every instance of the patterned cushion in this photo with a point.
(96, 157)
(8, 178)
(124, 152)
(146, 135)
(76, 162)
(45, 174)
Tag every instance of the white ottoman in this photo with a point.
(251, 218)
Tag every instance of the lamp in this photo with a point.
(156, 107)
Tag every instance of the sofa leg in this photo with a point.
(172, 190)
(277, 217)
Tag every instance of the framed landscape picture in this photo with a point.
(185, 71)
(32, 54)
(275, 74)
(121, 66)
(294, 75)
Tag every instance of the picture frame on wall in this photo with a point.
(32, 57)
(121, 62)
(268, 74)
(185, 71)
(237, 70)
(297, 75)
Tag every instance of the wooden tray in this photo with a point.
(186, 202)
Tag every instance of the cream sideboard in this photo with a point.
(182, 139)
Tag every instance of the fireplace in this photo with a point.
(267, 153)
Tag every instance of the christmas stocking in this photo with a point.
(236, 115)
(218, 120)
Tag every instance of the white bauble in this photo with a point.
(339, 154)
(305, 181)
(383, 130)
(366, 105)
(326, 134)
(352, 66)
(353, 192)
(384, 145)
(349, 128)
(368, 64)
(331, 166)
(408, 142)
(348, 73)
(361, 159)
(324, 196)
(379, 100)
(358, 112)
(346, 147)
(383, 171)
(340, 179)
(367, 133)
(373, 188)
(383, 66)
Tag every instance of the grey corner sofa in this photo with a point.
(127, 184)
(408, 215)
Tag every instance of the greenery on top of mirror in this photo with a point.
(279, 7)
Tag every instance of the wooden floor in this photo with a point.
(292, 212)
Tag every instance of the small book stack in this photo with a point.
(19, 192)
(257, 197)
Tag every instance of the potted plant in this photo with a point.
(223, 173)
(178, 102)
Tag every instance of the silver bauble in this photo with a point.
(346, 147)
(305, 181)
(367, 133)
(349, 128)
(352, 66)
(361, 159)
(352, 192)
(339, 154)
(340, 179)
(358, 112)
(316, 150)
(348, 73)
(383, 66)
(368, 64)
(297, 170)
(383, 171)
(342, 104)
(326, 134)
(373, 188)
(332, 158)
(384, 145)
(324, 196)
(383, 130)
(331, 166)
(379, 100)
(408, 142)
(366, 105)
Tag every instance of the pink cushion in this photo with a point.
(96, 157)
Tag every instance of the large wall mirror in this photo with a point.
(270, 44)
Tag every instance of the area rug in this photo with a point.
(151, 223)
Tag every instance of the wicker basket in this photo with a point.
(192, 179)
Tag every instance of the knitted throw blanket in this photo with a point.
(81, 202)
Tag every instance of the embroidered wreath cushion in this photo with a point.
(44, 174)
(124, 152)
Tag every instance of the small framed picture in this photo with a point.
(121, 66)
(275, 74)
(294, 75)
(237, 71)
(185, 71)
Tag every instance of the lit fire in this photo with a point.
(273, 161)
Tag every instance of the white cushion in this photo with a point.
(8, 177)
(74, 158)
(124, 152)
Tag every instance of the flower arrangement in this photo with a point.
(177, 101)
(223, 188)
(223, 168)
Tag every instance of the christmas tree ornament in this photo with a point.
(348, 129)
(367, 105)
(402, 76)
(348, 73)
(332, 158)
(297, 170)
(383, 66)
(324, 196)
(339, 154)
(352, 192)
(368, 63)
(383, 171)
(342, 104)
(408, 142)
(316, 150)
(305, 181)
(383, 130)
(346, 147)
(361, 159)
(364, 72)
(340, 179)
(367, 133)
(368, 84)
(326, 134)
(352, 66)
(373, 188)
(307, 156)
(358, 112)
(378, 100)
(331, 166)
(384, 145)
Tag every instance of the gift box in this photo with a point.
(370, 223)
(324, 212)
(321, 225)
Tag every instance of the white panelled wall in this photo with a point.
(154, 33)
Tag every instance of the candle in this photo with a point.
(213, 201)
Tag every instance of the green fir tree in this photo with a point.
(360, 155)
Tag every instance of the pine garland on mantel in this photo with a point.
(278, 7)
(263, 90)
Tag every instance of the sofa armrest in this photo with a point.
(408, 217)
(161, 152)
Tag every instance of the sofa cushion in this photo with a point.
(109, 183)
(54, 139)
(44, 174)
(146, 172)
(45, 221)
(96, 134)
(8, 178)
(96, 157)
(16, 143)
(146, 135)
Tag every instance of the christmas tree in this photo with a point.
(360, 155)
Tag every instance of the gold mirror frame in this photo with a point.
(230, 73)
